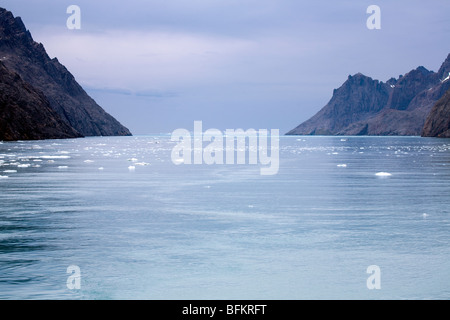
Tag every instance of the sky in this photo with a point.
(160, 65)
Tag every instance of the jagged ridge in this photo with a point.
(363, 106)
(22, 55)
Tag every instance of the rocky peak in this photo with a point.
(67, 98)
(409, 86)
(13, 28)
(363, 106)
(444, 70)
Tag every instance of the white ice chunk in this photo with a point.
(53, 157)
(142, 164)
(383, 174)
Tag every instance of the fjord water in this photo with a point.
(161, 231)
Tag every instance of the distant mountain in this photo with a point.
(438, 121)
(363, 106)
(21, 55)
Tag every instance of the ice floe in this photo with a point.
(142, 164)
(178, 161)
(383, 174)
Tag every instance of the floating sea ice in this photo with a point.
(54, 157)
(10, 171)
(63, 167)
(101, 168)
(88, 161)
(342, 165)
(425, 215)
(133, 160)
(131, 168)
(383, 174)
(51, 161)
(4, 177)
(27, 165)
(142, 163)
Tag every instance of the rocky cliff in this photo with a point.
(438, 121)
(363, 106)
(25, 113)
(23, 56)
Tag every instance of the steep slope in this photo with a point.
(29, 59)
(438, 121)
(25, 113)
(362, 106)
(358, 99)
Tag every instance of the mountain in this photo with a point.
(20, 54)
(438, 121)
(363, 106)
(25, 113)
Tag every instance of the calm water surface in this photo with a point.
(162, 231)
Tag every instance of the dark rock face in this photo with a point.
(438, 121)
(363, 106)
(355, 101)
(25, 113)
(22, 55)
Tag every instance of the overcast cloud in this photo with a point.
(159, 65)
